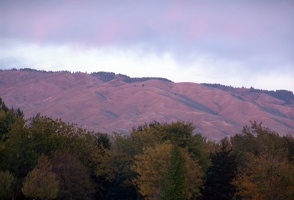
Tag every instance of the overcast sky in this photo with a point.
(239, 43)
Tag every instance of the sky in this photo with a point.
(240, 43)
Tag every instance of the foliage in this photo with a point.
(41, 182)
(150, 135)
(108, 76)
(181, 134)
(151, 168)
(178, 132)
(265, 164)
(27, 139)
(173, 183)
(266, 178)
(90, 151)
(289, 144)
(258, 140)
(284, 95)
(7, 118)
(220, 174)
(103, 139)
(19, 156)
(73, 176)
(6, 185)
(154, 161)
(120, 185)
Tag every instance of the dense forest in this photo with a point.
(284, 95)
(45, 158)
(108, 76)
(104, 76)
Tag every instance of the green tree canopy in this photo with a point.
(41, 182)
(8, 117)
(6, 185)
(258, 140)
(265, 178)
(265, 164)
(73, 177)
(173, 182)
(26, 140)
(156, 167)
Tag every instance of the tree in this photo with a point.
(179, 133)
(103, 139)
(91, 153)
(6, 185)
(74, 178)
(3, 106)
(7, 118)
(26, 140)
(289, 143)
(258, 140)
(124, 149)
(266, 168)
(220, 174)
(173, 183)
(120, 185)
(19, 156)
(121, 156)
(151, 168)
(266, 178)
(41, 182)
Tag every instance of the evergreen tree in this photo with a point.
(2, 105)
(173, 183)
(7, 118)
(219, 176)
(103, 139)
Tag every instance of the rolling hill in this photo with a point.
(108, 102)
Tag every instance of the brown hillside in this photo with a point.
(107, 102)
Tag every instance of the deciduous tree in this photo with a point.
(6, 185)
(267, 178)
(41, 182)
(266, 165)
(74, 178)
(152, 165)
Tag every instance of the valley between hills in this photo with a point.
(107, 102)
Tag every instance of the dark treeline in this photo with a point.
(284, 95)
(43, 158)
(108, 76)
(104, 76)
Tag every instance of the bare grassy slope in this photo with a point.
(107, 102)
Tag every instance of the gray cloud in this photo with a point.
(256, 34)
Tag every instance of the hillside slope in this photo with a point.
(108, 102)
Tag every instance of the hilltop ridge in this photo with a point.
(107, 102)
(284, 95)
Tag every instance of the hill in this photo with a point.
(107, 102)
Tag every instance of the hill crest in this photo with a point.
(106, 102)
